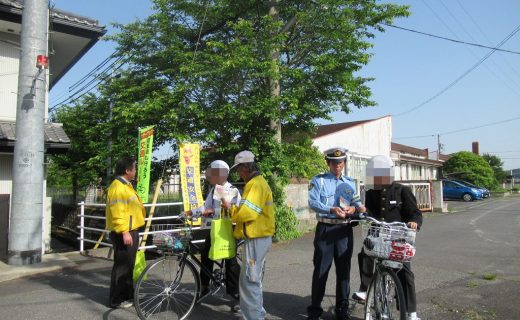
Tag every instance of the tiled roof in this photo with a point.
(54, 132)
(56, 13)
(411, 150)
(331, 128)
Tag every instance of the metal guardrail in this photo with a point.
(84, 216)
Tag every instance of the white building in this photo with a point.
(363, 140)
(70, 37)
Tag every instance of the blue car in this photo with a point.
(485, 192)
(455, 190)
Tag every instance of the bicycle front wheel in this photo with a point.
(385, 297)
(167, 289)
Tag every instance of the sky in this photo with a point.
(409, 69)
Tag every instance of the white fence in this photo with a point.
(423, 194)
(84, 216)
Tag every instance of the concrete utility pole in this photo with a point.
(25, 231)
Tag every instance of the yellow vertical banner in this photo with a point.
(144, 162)
(189, 163)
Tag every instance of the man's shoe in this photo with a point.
(360, 296)
(124, 304)
(235, 308)
(412, 316)
(342, 314)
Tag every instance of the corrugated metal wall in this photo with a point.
(9, 62)
(6, 176)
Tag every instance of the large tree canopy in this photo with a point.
(205, 70)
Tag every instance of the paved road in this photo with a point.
(456, 252)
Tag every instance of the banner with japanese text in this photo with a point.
(189, 163)
(144, 162)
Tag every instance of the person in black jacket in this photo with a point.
(389, 201)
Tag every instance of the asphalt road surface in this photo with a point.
(467, 267)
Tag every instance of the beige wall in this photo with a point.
(9, 64)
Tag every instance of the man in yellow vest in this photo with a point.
(255, 223)
(124, 216)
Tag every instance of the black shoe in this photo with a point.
(342, 314)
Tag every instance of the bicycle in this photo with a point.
(169, 287)
(390, 244)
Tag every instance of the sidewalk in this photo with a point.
(50, 262)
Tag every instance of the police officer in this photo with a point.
(389, 201)
(333, 197)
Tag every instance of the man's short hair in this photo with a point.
(123, 164)
(251, 166)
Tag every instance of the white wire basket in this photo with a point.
(396, 243)
(170, 237)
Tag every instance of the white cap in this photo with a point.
(245, 156)
(380, 165)
(219, 164)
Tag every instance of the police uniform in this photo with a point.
(333, 238)
(392, 203)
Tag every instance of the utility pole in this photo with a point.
(439, 147)
(25, 230)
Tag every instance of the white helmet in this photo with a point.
(380, 166)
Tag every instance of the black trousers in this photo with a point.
(405, 275)
(231, 266)
(121, 281)
(331, 242)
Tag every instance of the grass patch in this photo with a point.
(489, 276)
(472, 284)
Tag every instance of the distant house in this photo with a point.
(70, 37)
(415, 164)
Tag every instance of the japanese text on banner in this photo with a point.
(189, 161)
(144, 162)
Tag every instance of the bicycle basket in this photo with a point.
(173, 238)
(389, 242)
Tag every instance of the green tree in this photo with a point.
(206, 71)
(472, 167)
(497, 165)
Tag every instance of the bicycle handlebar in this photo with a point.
(360, 217)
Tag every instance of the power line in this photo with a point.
(506, 84)
(465, 129)
(461, 76)
(450, 39)
(506, 59)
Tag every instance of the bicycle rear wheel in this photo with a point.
(167, 289)
(385, 297)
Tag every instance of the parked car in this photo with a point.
(485, 192)
(455, 190)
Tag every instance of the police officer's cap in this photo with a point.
(336, 154)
